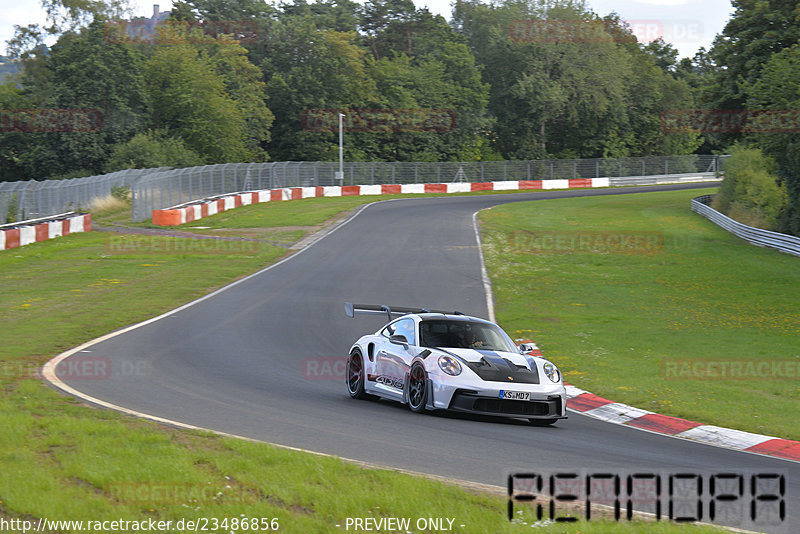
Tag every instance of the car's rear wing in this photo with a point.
(372, 309)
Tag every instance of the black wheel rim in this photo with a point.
(416, 387)
(354, 373)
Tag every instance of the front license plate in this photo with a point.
(515, 395)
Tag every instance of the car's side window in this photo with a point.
(388, 330)
(405, 327)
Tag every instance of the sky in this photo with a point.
(687, 24)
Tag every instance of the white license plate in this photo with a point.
(515, 395)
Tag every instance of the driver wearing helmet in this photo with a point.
(471, 339)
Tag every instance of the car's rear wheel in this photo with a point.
(356, 375)
(417, 389)
(542, 422)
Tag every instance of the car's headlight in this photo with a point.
(552, 372)
(449, 365)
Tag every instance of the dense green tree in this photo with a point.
(583, 87)
(379, 16)
(84, 70)
(189, 101)
(312, 69)
(756, 30)
(566, 83)
(244, 84)
(336, 15)
(448, 83)
(697, 70)
(777, 90)
(150, 149)
(256, 17)
(419, 62)
(750, 193)
(395, 26)
(63, 16)
(16, 147)
(664, 54)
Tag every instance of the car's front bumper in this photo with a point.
(547, 401)
(550, 407)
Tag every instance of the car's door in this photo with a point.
(393, 360)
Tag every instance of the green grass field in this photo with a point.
(63, 460)
(630, 323)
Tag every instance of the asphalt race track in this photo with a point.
(238, 362)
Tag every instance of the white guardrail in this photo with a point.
(763, 238)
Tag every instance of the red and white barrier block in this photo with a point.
(27, 232)
(615, 412)
(193, 211)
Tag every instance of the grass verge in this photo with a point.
(62, 460)
(661, 325)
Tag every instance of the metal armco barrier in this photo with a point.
(763, 238)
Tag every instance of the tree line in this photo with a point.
(521, 79)
(185, 96)
(749, 81)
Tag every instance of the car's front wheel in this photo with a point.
(417, 388)
(355, 375)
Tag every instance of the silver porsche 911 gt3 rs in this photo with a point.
(433, 360)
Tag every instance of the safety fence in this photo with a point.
(764, 238)
(153, 189)
(21, 201)
(167, 188)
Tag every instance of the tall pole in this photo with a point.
(341, 149)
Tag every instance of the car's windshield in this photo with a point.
(464, 335)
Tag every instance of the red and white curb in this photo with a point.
(193, 211)
(27, 232)
(614, 412)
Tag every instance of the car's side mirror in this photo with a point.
(399, 339)
(526, 348)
